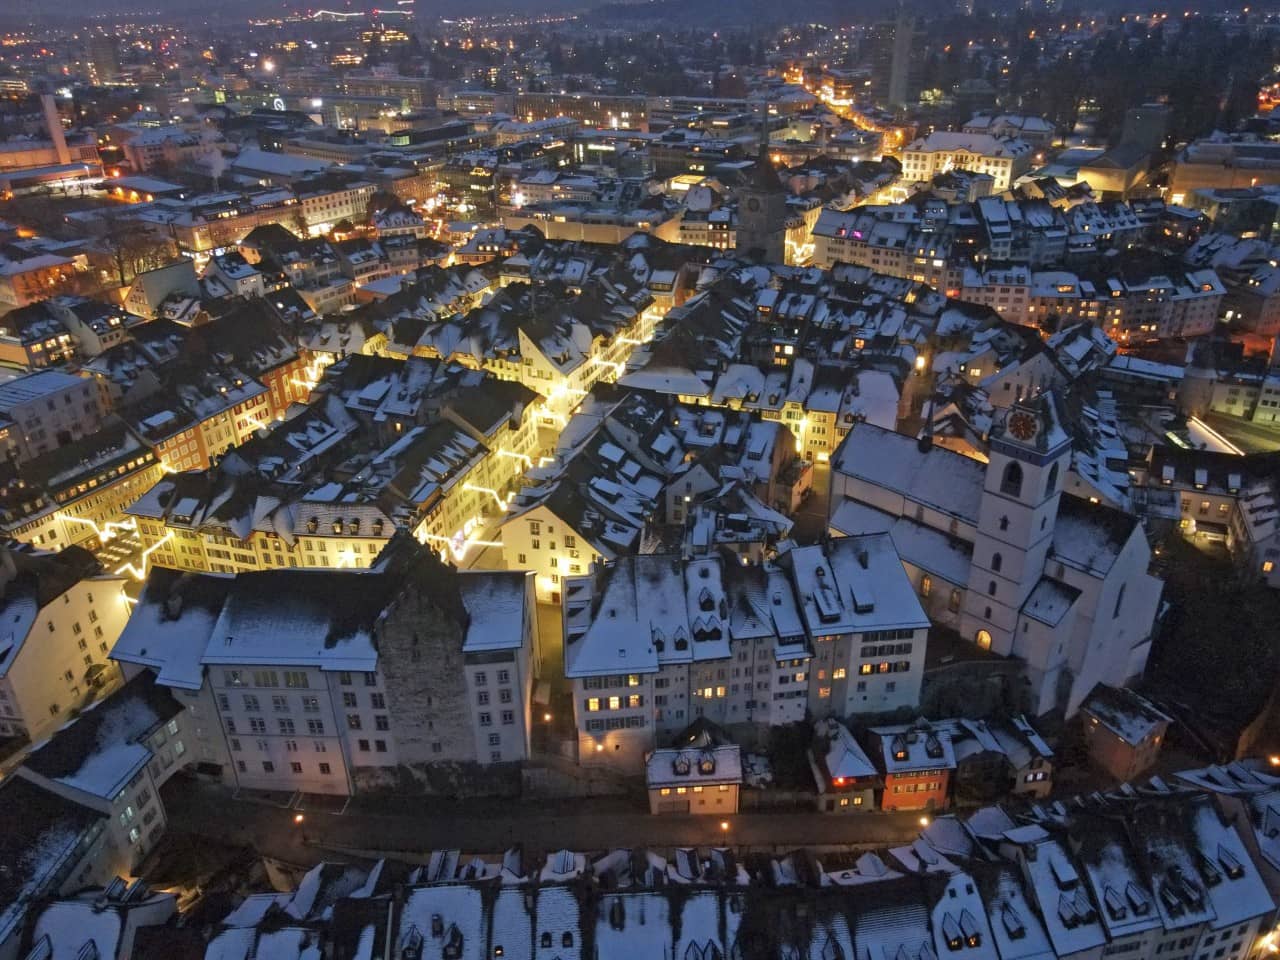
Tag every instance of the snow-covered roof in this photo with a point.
(936, 478)
(1130, 716)
(693, 766)
(842, 758)
(97, 753)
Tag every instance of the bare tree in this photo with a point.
(132, 246)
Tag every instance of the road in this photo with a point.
(122, 554)
(811, 518)
(206, 810)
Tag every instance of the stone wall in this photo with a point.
(420, 655)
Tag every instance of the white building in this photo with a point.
(61, 621)
(113, 759)
(1004, 160)
(653, 642)
(47, 410)
(327, 681)
(998, 552)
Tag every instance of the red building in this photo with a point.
(917, 760)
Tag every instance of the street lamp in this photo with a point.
(298, 818)
(924, 821)
(546, 718)
(724, 826)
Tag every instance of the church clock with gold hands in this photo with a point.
(1023, 426)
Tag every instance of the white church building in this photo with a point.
(1001, 554)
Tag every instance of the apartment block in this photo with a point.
(318, 678)
(64, 616)
(653, 643)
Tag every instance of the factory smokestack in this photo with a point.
(54, 123)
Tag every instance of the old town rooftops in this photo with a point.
(325, 619)
(643, 611)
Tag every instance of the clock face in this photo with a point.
(1022, 425)
(753, 204)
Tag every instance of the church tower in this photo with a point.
(1030, 453)
(762, 213)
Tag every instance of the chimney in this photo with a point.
(54, 123)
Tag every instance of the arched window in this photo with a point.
(983, 639)
(1011, 480)
(1119, 601)
(546, 938)
(926, 585)
(1052, 483)
(991, 588)
(997, 562)
(1004, 523)
(567, 939)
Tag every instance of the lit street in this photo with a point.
(418, 825)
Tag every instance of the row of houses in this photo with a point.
(422, 445)
(1154, 869)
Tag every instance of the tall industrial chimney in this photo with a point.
(54, 123)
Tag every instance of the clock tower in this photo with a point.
(1030, 453)
(762, 213)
